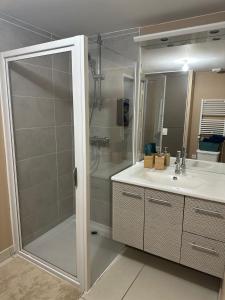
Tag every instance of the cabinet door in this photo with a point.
(163, 224)
(128, 214)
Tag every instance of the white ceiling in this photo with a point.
(72, 17)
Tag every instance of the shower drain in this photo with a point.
(94, 232)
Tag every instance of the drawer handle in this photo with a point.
(159, 201)
(204, 249)
(133, 195)
(208, 212)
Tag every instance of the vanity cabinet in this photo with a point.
(128, 214)
(163, 224)
(183, 229)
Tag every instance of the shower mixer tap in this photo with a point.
(100, 141)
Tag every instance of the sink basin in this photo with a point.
(199, 164)
(195, 183)
(168, 178)
(184, 181)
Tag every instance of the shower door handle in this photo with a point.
(75, 176)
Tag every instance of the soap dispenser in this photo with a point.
(167, 157)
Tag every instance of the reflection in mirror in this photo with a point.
(166, 96)
(184, 98)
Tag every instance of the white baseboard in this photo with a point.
(103, 230)
(6, 253)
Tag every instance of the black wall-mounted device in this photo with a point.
(123, 112)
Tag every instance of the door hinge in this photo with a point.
(75, 177)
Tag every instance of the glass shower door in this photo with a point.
(46, 92)
(42, 114)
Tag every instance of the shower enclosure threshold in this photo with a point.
(57, 247)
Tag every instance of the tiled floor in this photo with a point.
(137, 275)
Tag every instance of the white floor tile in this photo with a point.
(164, 280)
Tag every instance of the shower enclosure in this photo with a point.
(63, 144)
(44, 106)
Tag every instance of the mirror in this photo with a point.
(183, 97)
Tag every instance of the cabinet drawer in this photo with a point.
(163, 224)
(205, 218)
(128, 214)
(203, 254)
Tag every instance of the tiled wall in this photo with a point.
(45, 200)
(42, 115)
(12, 36)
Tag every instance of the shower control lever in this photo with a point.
(75, 176)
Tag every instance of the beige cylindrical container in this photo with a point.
(149, 161)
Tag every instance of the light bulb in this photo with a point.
(185, 67)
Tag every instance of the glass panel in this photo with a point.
(42, 113)
(112, 86)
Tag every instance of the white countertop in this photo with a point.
(195, 183)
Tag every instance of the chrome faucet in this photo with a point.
(180, 163)
(183, 163)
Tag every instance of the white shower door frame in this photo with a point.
(78, 46)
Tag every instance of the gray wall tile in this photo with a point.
(28, 228)
(36, 170)
(64, 138)
(12, 37)
(66, 187)
(31, 80)
(101, 212)
(66, 207)
(62, 85)
(34, 142)
(36, 198)
(47, 218)
(63, 112)
(62, 62)
(45, 61)
(32, 112)
(65, 162)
